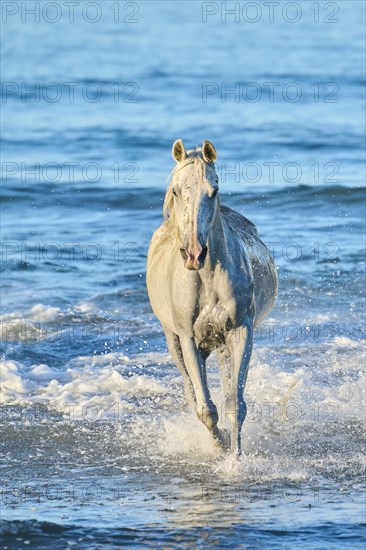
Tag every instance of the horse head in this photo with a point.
(191, 200)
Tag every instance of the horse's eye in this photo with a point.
(174, 192)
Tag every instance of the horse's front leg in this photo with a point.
(240, 343)
(205, 408)
(175, 350)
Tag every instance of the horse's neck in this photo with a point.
(217, 239)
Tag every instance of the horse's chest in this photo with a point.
(212, 324)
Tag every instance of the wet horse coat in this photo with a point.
(210, 281)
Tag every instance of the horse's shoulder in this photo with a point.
(237, 221)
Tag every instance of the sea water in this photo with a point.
(99, 447)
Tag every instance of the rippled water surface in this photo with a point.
(99, 447)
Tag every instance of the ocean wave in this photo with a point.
(305, 415)
(330, 376)
(28, 527)
(94, 197)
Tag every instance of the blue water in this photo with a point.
(99, 448)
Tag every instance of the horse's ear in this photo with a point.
(208, 152)
(178, 151)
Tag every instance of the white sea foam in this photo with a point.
(39, 312)
(29, 326)
(296, 396)
(285, 395)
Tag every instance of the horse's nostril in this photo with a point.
(203, 254)
(184, 253)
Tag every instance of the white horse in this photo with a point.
(210, 281)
